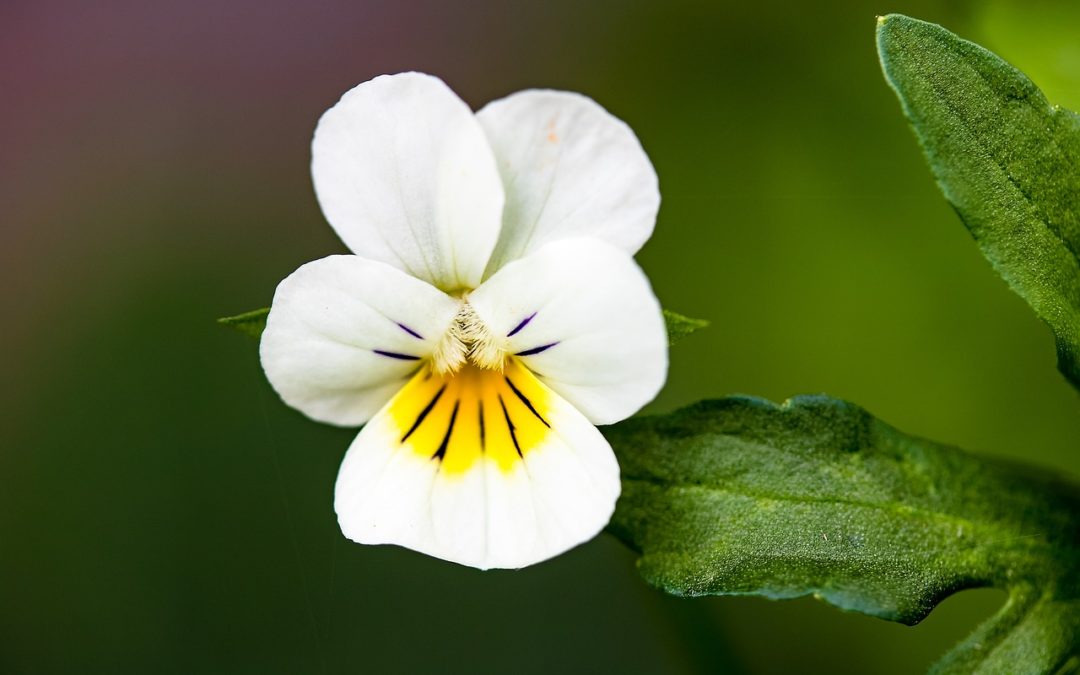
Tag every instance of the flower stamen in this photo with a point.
(468, 340)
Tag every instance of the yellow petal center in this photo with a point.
(473, 413)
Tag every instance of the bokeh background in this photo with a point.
(161, 511)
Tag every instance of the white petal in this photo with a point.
(532, 480)
(596, 333)
(344, 334)
(571, 169)
(405, 175)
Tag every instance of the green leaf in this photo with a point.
(252, 323)
(817, 497)
(1007, 160)
(249, 323)
(679, 326)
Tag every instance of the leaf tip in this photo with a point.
(889, 27)
(679, 326)
(249, 323)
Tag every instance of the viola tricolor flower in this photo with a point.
(492, 315)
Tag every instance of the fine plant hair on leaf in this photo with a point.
(1006, 159)
(252, 323)
(817, 497)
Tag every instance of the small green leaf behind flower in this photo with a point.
(249, 323)
(1006, 159)
(816, 497)
(679, 326)
(252, 324)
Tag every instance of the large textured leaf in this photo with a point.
(254, 322)
(1007, 160)
(740, 496)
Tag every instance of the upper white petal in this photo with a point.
(328, 323)
(570, 169)
(597, 334)
(405, 175)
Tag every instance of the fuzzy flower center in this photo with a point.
(468, 340)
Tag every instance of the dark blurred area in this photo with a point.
(161, 511)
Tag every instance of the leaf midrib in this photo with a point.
(1008, 536)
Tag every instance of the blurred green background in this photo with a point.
(161, 511)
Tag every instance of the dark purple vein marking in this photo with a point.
(536, 350)
(395, 355)
(527, 402)
(410, 331)
(423, 414)
(524, 322)
(510, 425)
(483, 439)
(441, 452)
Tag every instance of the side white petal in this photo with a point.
(581, 315)
(344, 334)
(405, 175)
(510, 492)
(570, 169)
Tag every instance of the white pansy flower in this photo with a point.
(492, 315)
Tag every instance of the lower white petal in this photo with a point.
(483, 468)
